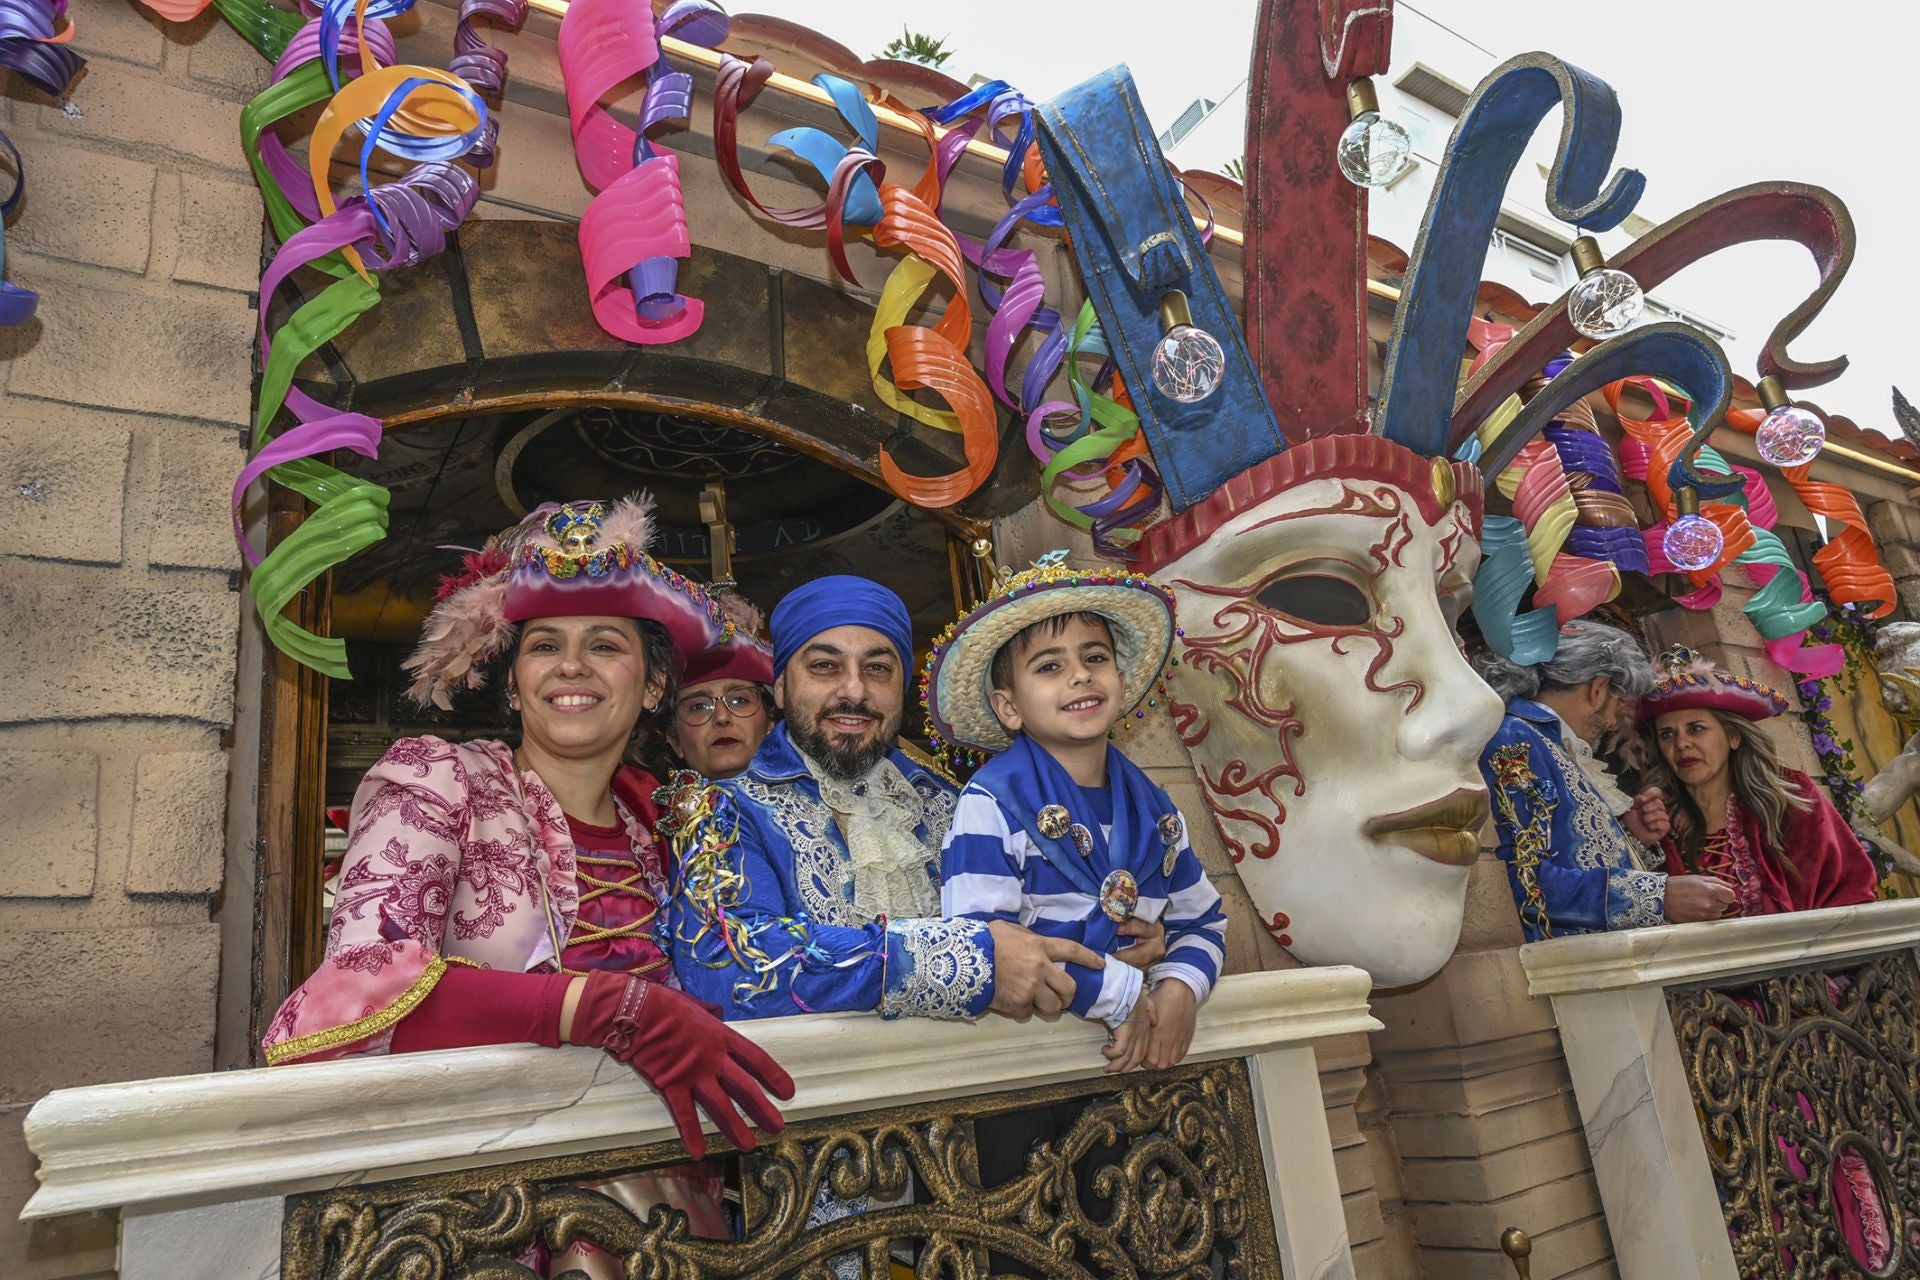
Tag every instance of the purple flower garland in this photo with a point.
(1854, 632)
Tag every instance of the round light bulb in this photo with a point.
(1692, 543)
(1188, 364)
(1605, 302)
(1374, 150)
(1790, 436)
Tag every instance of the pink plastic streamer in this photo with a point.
(635, 228)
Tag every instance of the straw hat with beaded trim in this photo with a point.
(957, 679)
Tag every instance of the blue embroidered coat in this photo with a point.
(763, 916)
(1569, 860)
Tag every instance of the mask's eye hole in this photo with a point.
(1318, 598)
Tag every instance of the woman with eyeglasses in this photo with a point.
(725, 705)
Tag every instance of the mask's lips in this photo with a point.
(1446, 830)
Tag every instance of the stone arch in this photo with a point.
(500, 321)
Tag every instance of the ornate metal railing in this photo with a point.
(1807, 1085)
(454, 1164)
(1750, 1090)
(1160, 1178)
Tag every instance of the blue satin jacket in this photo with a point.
(1568, 859)
(763, 916)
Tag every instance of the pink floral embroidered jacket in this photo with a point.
(452, 854)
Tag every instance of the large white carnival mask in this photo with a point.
(1333, 723)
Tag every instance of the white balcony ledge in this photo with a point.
(190, 1155)
(1717, 949)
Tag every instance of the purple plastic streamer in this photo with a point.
(669, 96)
(482, 65)
(1586, 452)
(418, 212)
(25, 28)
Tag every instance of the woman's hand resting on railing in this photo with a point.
(685, 1052)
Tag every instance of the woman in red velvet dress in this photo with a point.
(1778, 843)
(1767, 831)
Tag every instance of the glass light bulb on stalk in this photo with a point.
(1788, 436)
(1373, 150)
(1692, 542)
(1606, 301)
(1188, 363)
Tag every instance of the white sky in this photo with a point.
(1714, 95)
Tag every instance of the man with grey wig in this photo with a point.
(1577, 848)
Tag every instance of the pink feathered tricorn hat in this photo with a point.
(743, 655)
(1689, 682)
(565, 560)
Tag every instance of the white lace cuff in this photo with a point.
(937, 969)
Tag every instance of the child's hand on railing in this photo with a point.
(1126, 1046)
(1174, 1008)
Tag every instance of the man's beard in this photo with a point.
(831, 751)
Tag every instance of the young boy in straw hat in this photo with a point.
(1060, 832)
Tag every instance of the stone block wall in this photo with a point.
(1480, 1112)
(122, 408)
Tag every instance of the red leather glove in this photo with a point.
(686, 1054)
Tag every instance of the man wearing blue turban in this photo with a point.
(809, 883)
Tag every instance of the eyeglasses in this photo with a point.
(742, 704)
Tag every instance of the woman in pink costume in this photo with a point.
(496, 894)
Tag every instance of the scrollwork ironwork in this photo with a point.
(1807, 1086)
(1163, 1178)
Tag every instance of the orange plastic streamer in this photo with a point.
(1850, 562)
(1665, 438)
(934, 357)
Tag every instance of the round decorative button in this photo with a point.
(1119, 895)
(1053, 821)
(1082, 839)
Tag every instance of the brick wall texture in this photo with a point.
(122, 407)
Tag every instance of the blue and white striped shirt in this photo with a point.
(991, 870)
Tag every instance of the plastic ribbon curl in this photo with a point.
(1849, 563)
(33, 44)
(420, 114)
(931, 357)
(17, 304)
(633, 234)
(1783, 606)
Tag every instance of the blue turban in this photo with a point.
(840, 600)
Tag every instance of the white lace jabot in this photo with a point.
(881, 812)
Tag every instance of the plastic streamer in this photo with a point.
(1504, 576)
(1849, 563)
(1783, 606)
(17, 304)
(1561, 485)
(930, 357)
(1107, 441)
(342, 57)
(33, 44)
(633, 234)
